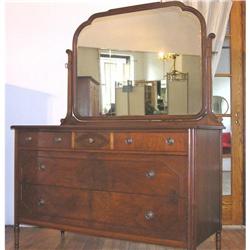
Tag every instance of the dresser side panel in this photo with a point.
(207, 183)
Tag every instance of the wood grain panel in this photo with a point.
(227, 210)
(129, 211)
(165, 141)
(37, 200)
(165, 176)
(113, 211)
(238, 100)
(92, 140)
(208, 183)
(45, 139)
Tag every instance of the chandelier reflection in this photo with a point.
(174, 74)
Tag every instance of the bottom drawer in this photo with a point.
(127, 213)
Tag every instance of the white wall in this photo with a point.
(154, 67)
(37, 35)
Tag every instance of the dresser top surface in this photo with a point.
(119, 126)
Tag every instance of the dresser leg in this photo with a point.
(62, 234)
(218, 240)
(16, 236)
(191, 247)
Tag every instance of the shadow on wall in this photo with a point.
(22, 107)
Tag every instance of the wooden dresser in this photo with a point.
(88, 91)
(146, 185)
(152, 178)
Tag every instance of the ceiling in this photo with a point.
(166, 29)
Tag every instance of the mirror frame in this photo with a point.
(206, 52)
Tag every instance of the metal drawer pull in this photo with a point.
(58, 139)
(27, 139)
(41, 202)
(170, 141)
(149, 215)
(128, 140)
(42, 167)
(150, 174)
(91, 140)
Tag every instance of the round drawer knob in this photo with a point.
(149, 215)
(91, 140)
(170, 141)
(150, 174)
(58, 139)
(41, 202)
(28, 139)
(42, 167)
(128, 140)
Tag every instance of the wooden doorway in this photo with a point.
(229, 103)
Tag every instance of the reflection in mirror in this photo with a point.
(220, 105)
(141, 63)
(221, 95)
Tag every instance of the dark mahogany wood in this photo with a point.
(46, 139)
(16, 195)
(159, 217)
(207, 183)
(218, 240)
(165, 142)
(92, 139)
(16, 236)
(164, 176)
(70, 80)
(155, 179)
(88, 95)
(57, 184)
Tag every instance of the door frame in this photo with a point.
(233, 205)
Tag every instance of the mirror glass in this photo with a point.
(140, 63)
(221, 101)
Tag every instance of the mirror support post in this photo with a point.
(209, 91)
(70, 87)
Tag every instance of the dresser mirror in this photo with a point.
(140, 62)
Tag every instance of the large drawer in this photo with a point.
(164, 176)
(44, 139)
(139, 214)
(151, 141)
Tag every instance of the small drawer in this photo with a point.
(28, 139)
(90, 140)
(151, 141)
(45, 139)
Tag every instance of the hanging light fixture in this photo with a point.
(174, 75)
